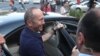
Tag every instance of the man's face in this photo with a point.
(38, 21)
(66, 4)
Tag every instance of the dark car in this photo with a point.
(12, 24)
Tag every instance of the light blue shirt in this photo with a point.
(83, 54)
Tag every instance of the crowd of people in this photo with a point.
(51, 6)
(13, 7)
(45, 5)
(31, 40)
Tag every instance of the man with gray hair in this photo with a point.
(31, 40)
(31, 43)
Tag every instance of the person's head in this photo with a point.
(94, 4)
(46, 4)
(34, 19)
(88, 32)
(65, 4)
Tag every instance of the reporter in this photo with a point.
(88, 34)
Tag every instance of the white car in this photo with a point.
(83, 6)
(73, 2)
(36, 1)
(24, 1)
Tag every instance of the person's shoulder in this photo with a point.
(26, 32)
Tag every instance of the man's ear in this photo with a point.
(81, 39)
(29, 23)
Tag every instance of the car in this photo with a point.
(36, 1)
(24, 1)
(12, 24)
(83, 6)
(73, 2)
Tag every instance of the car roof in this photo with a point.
(88, 1)
(20, 15)
(10, 17)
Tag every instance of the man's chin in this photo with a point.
(40, 29)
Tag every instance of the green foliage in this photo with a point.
(76, 13)
(4, 12)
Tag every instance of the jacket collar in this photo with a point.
(31, 33)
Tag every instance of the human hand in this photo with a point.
(58, 26)
(75, 51)
(2, 40)
(49, 29)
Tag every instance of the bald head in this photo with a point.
(34, 19)
(89, 25)
(31, 13)
(37, 12)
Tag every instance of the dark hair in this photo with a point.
(64, 3)
(29, 14)
(89, 25)
(91, 4)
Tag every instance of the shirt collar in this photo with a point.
(30, 32)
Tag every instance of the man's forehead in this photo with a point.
(37, 13)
